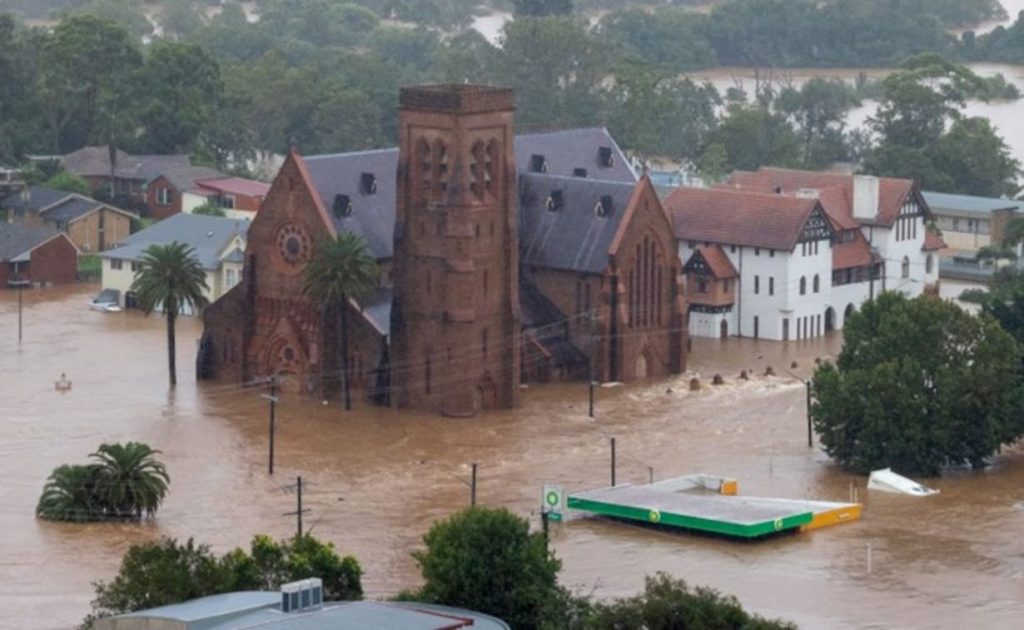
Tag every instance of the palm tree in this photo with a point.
(70, 495)
(130, 482)
(170, 277)
(341, 269)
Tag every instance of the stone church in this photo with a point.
(503, 258)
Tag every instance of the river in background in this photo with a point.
(951, 561)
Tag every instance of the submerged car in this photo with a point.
(108, 301)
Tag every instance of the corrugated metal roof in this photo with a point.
(207, 235)
(968, 205)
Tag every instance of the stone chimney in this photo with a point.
(865, 197)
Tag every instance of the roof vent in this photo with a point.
(555, 200)
(605, 157)
(579, 172)
(342, 206)
(538, 163)
(604, 206)
(808, 193)
(368, 184)
(302, 595)
(209, 234)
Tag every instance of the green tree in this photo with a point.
(171, 278)
(976, 160)
(68, 182)
(919, 385)
(754, 136)
(818, 110)
(487, 560)
(70, 495)
(210, 209)
(668, 604)
(130, 482)
(270, 564)
(541, 8)
(341, 270)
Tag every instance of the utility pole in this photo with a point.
(613, 461)
(273, 407)
(472, 488)
(21, 288)
(810, 433)
(299, 511)
(590, 363)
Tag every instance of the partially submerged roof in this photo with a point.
(18, 240)
(207, 235)
(968, 205)
(569, 223)
(735, 217)
(892, 192)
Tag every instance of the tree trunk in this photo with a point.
(345, 376)
(171, 314)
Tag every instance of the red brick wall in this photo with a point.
(54, 262)
(157, 209)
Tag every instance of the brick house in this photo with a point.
(165, 191)
(471, 259)
(92, 225)
(122, 176)
(37, 254)
(239, 197)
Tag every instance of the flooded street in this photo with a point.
(950, 561)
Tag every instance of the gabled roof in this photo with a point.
(856, 253)
(932, 241)
(716, 261)
(891, 191)
(94, 161)
(235, 186)
(735, 217)
(373, 215)
(185, 177)
(18, 240)
(207, 235)
(572, 236)
(34, 198)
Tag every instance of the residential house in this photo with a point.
(38, 255)
(219, 245)
(484, 239)
(165, 191)
(969, 223)
(121, 176)
(240, 198)
(92, 225)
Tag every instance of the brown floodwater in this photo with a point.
(950, 561)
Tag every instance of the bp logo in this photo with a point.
(654, 516)
(552, 498)
(778, 524)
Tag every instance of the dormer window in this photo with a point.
(538, 163)
(579, 172)
(604, 207)
(368, 184)
(342, 206)
(555, 200)
(605, 157)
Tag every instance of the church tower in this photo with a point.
(455, 321)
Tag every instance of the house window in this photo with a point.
(227, 202)
(164, 196)
(929, 262)
(702, 285)
(817, 283)
(905, 271)
(732, 248)
(803, 285)
(757, 284)
(757, 251)
(115, 263)
(771, 286)
(771, 253)
(230, 278)
(135, 266)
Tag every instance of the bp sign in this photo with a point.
(553, 502)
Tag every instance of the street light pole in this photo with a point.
(273, 422)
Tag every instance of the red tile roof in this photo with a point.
(838, 202)
(235, 186)
(933, 241)
(738, 217)
(856, 253)
(720, 265)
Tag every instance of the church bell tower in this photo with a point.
(455, 321)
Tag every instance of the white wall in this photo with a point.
(190, 201)
(893, 251)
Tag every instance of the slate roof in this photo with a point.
(718, 262)
(373, 216)
(71, 209)
(738, 217)
(33, 198)
(17, 240)
(968, 205)
(891, 191)
(377, 310)
(572, 237)
(207, 235)
(94, 161)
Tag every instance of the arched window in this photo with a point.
(906, 267)
(803, 285)
(929, 264)
(476, 169)
(483, 343)
(426, 375)
(490, 158)
(425, 170)
(817, 283)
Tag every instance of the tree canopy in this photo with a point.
(919, 385)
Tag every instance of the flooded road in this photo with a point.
(950, 561)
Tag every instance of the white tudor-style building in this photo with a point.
(786, 255)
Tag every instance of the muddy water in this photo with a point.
(946, 562)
